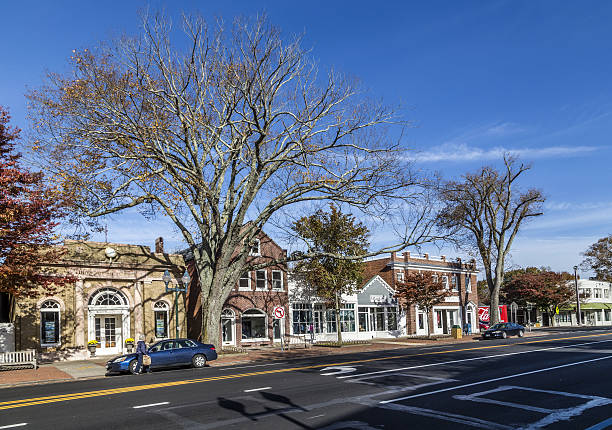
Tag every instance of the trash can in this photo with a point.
(456, 332)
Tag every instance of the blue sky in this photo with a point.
(476, 79)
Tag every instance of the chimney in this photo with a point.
(406, 255)
(159, 245)
(426, 256)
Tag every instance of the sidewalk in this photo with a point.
(96, 367)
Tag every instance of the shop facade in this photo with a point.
(247, 317)
(374, 312)
(117, 294)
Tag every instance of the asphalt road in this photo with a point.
(558, 381)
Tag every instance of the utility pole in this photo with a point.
(579, 316)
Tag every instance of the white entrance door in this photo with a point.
(227, 330)
(421, 322)
(108, 333)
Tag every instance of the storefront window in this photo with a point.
(253, 324)
(347, 317)
(161, 319)
(50, 323)
(302, 318)
(330, 316)
(363, 319)
(391, 318)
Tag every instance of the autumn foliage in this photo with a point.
(542, 288)
(422, 289)
(27, 215)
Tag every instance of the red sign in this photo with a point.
(279, 312)
(484, 318)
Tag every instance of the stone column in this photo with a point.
(138, 309)
(79, 314)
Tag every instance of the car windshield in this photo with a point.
(499, 326)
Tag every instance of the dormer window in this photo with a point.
(255, 245)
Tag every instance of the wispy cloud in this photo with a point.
(463, 152)
(563, 206)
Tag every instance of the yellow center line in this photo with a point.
(97, 393)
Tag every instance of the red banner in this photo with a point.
(484, 318)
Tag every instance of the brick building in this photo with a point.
(373, 311)
(247, 315)
(457, 276)
(118, 294)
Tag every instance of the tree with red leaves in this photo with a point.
(422, 289)
(543, 288)
(27, 214)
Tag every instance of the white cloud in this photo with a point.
(464, 152)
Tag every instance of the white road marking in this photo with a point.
(547, 369)
(14, 425)
(602, 425)
(552, 415)
(462, 360)
(257, 389)
(338, 370)
(254, 365)
(151, 404)
(316, 416)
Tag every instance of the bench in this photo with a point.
(18, 359)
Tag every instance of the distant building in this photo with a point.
(118, 294)
(595, 304)
(374, 312)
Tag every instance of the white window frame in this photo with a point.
(468, 283)
(445, 282)
(57, 308)
(259, 314)
(255, 249)
(281, 280)
(455, 285)
(265, 279)
(399, 275)
(240, 288)
(162, 307)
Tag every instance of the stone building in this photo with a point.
(247, 317)
(374, 312)
(118, 294)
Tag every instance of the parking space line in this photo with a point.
(150, 405)
(457, 387)
(257, 389)
(10, 426)
(469, 359)
(602, 425)
(447, 416)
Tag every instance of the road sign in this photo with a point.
(557, 310)
(279, 312)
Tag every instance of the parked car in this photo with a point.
(167, 353)
(504, 330)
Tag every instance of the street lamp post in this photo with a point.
(167, 279)
(577, 295)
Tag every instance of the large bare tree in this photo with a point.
(221, 131)
(485, 211)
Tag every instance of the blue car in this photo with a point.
(167, 353)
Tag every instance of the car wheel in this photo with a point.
(521, 333)
(198, 361)
(504, 335)
(132, 366)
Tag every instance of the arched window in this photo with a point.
(50, 323)
(108, 297)
(254, 325)
(161, 319)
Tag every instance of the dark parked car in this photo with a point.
(167, 353)
(504, 330)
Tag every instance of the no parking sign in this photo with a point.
(279, 312)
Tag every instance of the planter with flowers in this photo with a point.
(91, 346)
(129, 344)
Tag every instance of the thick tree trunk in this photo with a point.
(214, 291)
(494, 307)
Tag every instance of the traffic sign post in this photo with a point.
(279, 314)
